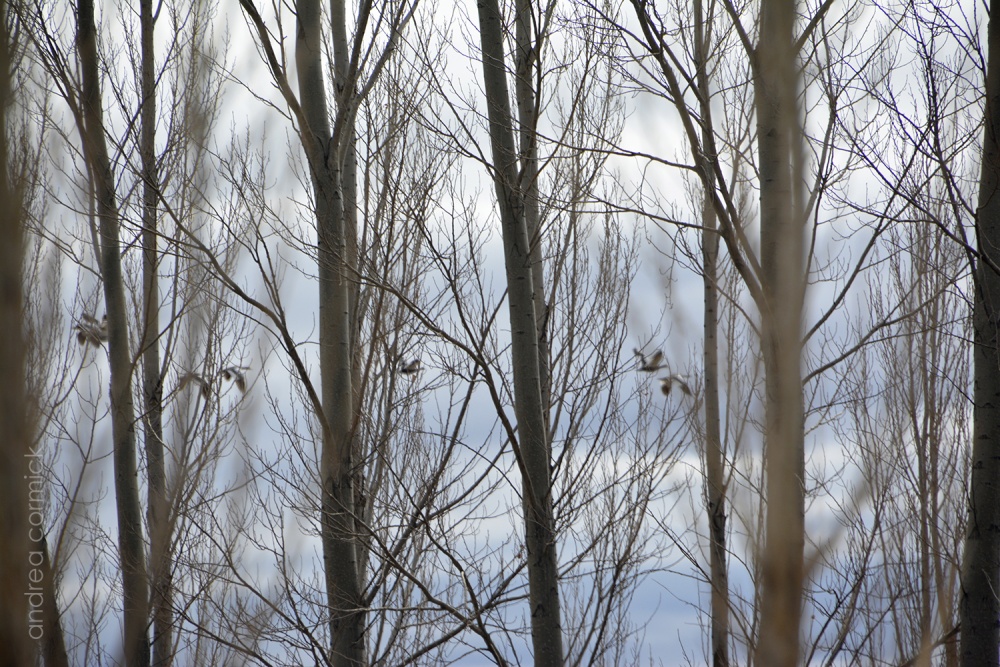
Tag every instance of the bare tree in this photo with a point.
(979, 606)
(152, 377)
(70, 504)
(130, 538)
(367, 509)
(327, 154)
(937, 189)
(532, 449)
(768, 83)
(330, 153)
(715, 484)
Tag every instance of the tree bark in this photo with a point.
(540, 538)
(157, 510)
(130, 540)
(53, 642)
(16, 458)
(979, 605)
(782, 283)
(526, 65)
(715, 486)
(338, 529)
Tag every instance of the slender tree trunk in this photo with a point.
(346, 142)
(715, 487)
(540, 539)
(17, 460)
(130, 541)
(922, 440)
(526, 65)
(979, 606)
(347, 148)
(782, 236)
(338, 529)
(152, 381)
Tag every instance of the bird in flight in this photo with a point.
(89, 330)
(651, 364)
(666, 383)
(237, 374)
(411, 368)
(194, 378)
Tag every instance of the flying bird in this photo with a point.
(90, 331)
(194, 378)
(411, 368)
(651, 364)
(667, 382)
(237, 374)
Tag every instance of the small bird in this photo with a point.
(236, 374)
(667, 382)
(411, 368)
(189, 378)
(89, 330)
(652, 364)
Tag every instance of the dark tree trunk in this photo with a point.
(16, 458)
(53, 643)
(527, 52)
(979, 605)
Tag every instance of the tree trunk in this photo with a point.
(782, 235)
(53, 643)
(527, 54)
(345, 144)
(715, 486)
(152, 381)
(338, 529)
(17, 461)
(540, 539)
(979, 606)
(130, 542)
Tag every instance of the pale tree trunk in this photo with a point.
(715, 484)
(130, 542)
(715, 487)
(346, 142)
(16, 460)
(781, 241)
(152, 381)
(979, 606)
(345, 145)
(532, 446)
(338, 527)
